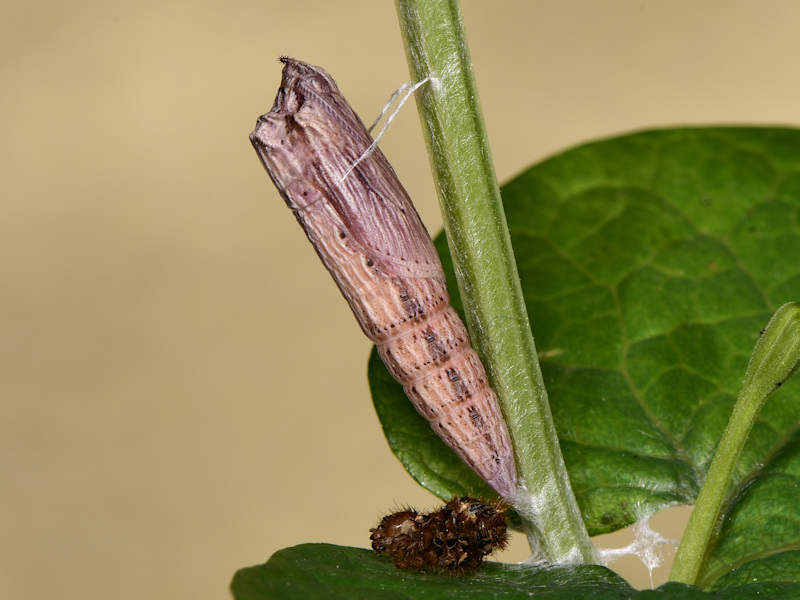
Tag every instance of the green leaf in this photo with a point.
(327, 572)
(649, 264)
(761, 529)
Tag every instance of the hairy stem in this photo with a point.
(775, 359)
(487, 274)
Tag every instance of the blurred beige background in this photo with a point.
(183, 389)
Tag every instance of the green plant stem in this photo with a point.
(691, 551)
(775, 359)
(487, 275)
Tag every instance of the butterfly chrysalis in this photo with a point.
(366, 231)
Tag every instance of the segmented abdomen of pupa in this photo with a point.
(445, 380)
(425, 346)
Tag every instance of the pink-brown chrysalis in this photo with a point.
(455, 538)
(369, 236)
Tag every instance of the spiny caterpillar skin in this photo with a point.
(369, 236)
(455, 538)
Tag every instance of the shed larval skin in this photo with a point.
(369, 236)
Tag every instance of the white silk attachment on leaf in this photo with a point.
(647, 546)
